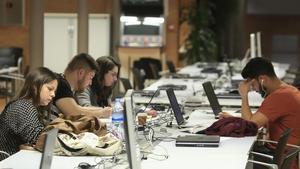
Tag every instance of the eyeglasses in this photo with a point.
(115, 74)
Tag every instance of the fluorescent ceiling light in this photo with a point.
(132, 23)
(151, 23)
(154, 20)
(128, 18)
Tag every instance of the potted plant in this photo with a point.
(201, 44)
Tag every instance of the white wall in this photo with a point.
(99, 35)
(60, 38)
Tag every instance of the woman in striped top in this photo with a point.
(23, 119)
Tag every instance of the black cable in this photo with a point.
(151, 99)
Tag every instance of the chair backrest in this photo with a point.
(171, 66)
(126, 83)
(10, 56)
(145, 64)
(289, 158)
(155, 70)
(138, 79)
(279, 150)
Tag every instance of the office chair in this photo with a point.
(259, 152)
(138, 79)
(10, 58)
(145, 64)
(154, 70)
(126, 83)
(289, 158)
(286, 163)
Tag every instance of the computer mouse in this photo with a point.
(85, 165)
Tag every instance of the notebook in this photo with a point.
(48, 149)
(198, 141)
(212, 98)
(181, 122)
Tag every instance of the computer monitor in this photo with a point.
(130, 134)
(49, 145)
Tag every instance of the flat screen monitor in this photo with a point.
(130, 134)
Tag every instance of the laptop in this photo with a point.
(174, 87)
(198, 141)
(133, 157)
(212, 98)
(181, 122)
(49, 145)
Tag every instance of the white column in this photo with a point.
(252, 45)
(36, 30)
(258, 43)
(83, 22)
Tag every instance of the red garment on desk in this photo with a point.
(232, 127)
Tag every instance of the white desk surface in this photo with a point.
(231, 154)
(194, 86)
(26, 159)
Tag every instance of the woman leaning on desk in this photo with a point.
(99, 93)
(23, 119)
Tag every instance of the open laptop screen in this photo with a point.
(48, 149)
(130, 135)
(212, 98)
(175, 106)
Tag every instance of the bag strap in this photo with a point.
(65, 146)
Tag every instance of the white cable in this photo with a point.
(164, 155)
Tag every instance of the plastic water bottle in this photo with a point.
(118, 119)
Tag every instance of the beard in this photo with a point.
(81, 86)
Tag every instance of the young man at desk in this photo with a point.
(281, 106)
(76, 78)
